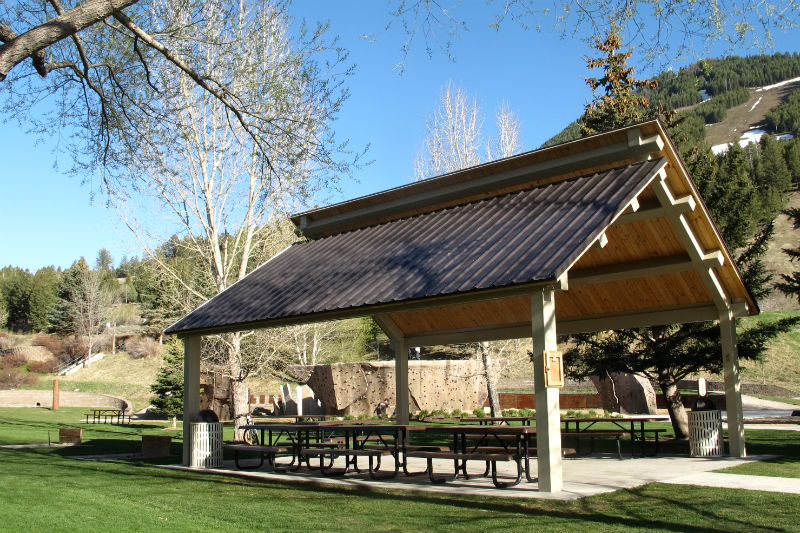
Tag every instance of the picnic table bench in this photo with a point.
(264, 452)
(107, 416)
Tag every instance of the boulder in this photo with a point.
(626, 393)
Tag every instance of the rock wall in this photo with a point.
(626, 393)
(356, 388)
(44, 398)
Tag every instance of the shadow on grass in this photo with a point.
(651, 507)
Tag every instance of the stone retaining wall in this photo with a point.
(44, 398)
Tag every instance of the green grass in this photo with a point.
(46, 489)
(784, 444)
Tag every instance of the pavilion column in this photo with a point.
(733, 387)
(401, 380)
(548, 416)
(191, 390)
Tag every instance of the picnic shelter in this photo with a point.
(601, 233)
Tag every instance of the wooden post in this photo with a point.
(191, 391)
(548, 415)
(56, 399)
(733, 387)
(401, 380)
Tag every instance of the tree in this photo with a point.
(42, 298)
(104, 260)
(167, 388)
(17, 288)
(452, 142)
(790, 285)
(103, 57)
(772, 173)
(221, 189)
(454, 135)
(666, 354)
(621, 102)
(82, 306)
(667, 30)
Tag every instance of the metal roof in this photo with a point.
(514, 239)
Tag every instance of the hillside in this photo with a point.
(749, 115)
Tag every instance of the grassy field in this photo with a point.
(46, 489)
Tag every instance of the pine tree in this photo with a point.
(667, 354)
(622, 103)
(167, 388)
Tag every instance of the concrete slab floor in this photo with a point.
(585, 476)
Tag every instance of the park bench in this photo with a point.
(351, 457)
(459, 461)
(592, 434)
(267, 452)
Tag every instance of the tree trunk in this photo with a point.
(240, 405)
(488, 372)
(677, 413)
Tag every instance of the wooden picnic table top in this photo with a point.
(471, 428)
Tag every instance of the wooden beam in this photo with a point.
(684, 204)
(633, 319)
(389, 327)
(699, 256)
(632, 270)
(601, 241)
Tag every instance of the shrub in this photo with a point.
(479, 412)
(13, 360)
(43, 367)
(12, 380)
(141, 347)
(527, 412)
(5, 342)
(422, 415)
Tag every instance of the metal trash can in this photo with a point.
(705, 434)
(206, 444)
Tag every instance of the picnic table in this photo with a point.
(328, 440)
(106, 416)
(487, 420)
(633, 426)
(488, 443)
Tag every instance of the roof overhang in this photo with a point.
(644, 256)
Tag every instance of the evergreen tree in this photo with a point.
(167, 388)
(17, 288)
(772, 174)
(666, 354)
(790, 285)
(42, 298)
(622, 102)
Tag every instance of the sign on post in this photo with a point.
(553, 370)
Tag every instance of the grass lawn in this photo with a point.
(47, 490)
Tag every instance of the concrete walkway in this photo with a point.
(738, 481)
(586, 476)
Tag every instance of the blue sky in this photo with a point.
(49, 217)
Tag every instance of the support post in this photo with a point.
(401, 380)
(548, 415)
(191, 391)
(733, 387)
(56, 396)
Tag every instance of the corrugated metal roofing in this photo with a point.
(517, 238)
